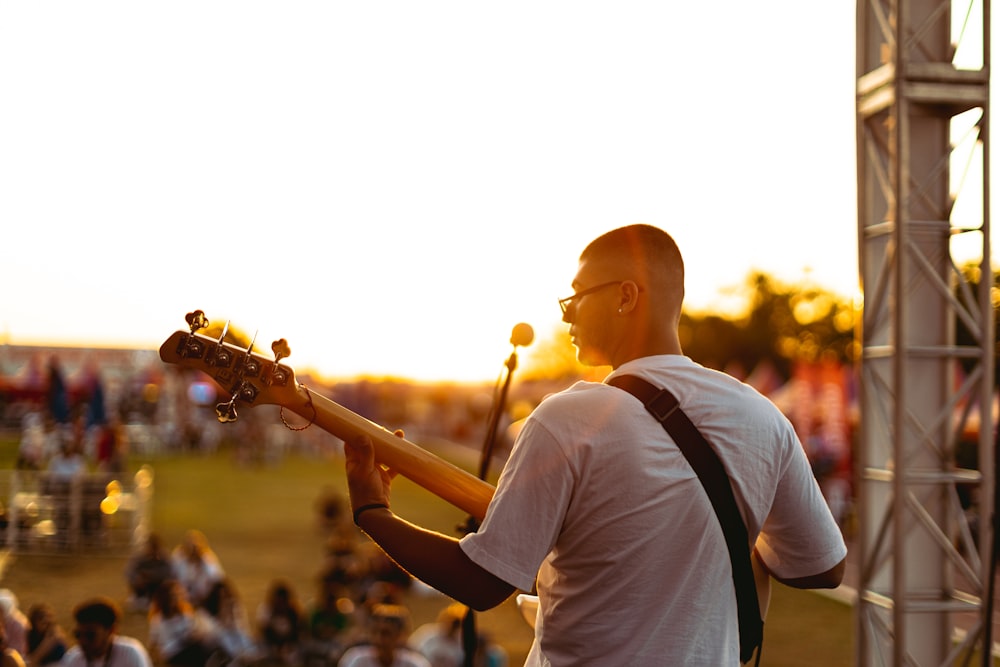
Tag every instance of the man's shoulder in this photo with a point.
(72, 658)
(362, 654)
(130, 642)
(578, 393)
(131, 652)
(354, 654)
(411, 658)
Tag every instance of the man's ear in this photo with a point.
(628, 293)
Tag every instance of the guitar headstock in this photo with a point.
(247, 376)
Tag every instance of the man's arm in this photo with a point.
(829, 579)
(435, 559)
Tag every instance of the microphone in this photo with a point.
(522, 335)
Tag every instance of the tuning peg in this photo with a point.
(280, 349)
(221, 356)
(196, 320)
(252, 340)
(226, 412)
(246, 362)
(277, 375)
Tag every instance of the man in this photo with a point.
(98, 641)
(146, 570)
(387, 628)
(16, 624)
(598, 507)
(441, 641)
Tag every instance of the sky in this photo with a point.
(392, 186)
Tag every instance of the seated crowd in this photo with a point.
(355, 618)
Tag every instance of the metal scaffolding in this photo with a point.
(926, 392)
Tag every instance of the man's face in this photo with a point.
(93, 639)
(589, 315)
(385, 633)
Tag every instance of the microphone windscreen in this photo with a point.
(522, 335)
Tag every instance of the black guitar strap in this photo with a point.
(666, 410)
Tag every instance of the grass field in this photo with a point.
(261, 521)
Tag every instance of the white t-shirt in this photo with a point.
(168, 636)
(600, 507)
(440, 649)
(125, 652)
(197, 577)
(366, 656)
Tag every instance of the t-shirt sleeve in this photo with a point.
(133, 653)
(800, 537)
(523, 520)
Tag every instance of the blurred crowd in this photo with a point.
(68, 449)
(355, 616)
(66, 438)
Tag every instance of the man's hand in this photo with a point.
(432, 557)
(368, 482)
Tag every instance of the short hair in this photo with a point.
(648, 250)
(396, 614)
(100, 610)
(454, 611)
(154, 542)
(39, 611)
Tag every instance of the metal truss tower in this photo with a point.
(923, 205)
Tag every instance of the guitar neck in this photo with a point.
(447, 481)
(253, 380)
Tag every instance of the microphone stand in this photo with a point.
(470, 638)
(491, 432)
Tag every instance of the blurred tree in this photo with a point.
(779, 324)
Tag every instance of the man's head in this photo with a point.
(96, 623)
(153, 546)
(451, 618)
(629, 289)
(387, 626)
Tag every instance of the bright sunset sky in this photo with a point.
(392, 186)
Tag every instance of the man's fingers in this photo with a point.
(359, 450)
(360, 453)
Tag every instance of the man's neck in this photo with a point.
(641, 352)
(386, 656)
(646, 340)
(103, 658)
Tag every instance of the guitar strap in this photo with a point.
(665, 409)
